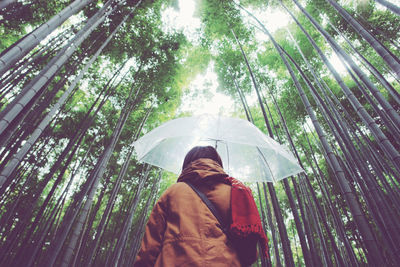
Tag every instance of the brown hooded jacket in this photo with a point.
(182, 231)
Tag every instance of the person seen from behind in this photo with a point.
(182, 230)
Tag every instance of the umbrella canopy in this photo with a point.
(246, 152)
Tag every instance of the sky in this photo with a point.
(201, 96)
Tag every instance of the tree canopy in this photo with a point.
(80, 81)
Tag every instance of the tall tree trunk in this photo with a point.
(355, 160)
(128, 221)
(363, 226)
(273, 232)
(33, 247)
(375, 44)
(282, 229)
(381, 138)
(73, 144)
(31, 90)
(29, 143)
(386, 106)
(390, 6)
(21, 69)
(141, 225)
(97, 173)
(299, 227)
(75, 141)
(36, 36)
(100, 229)
(315, 258)
(373, 70)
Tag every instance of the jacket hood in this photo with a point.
(201, 169)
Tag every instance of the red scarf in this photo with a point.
(245, 217)
(246, 220)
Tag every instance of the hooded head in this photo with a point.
(202, 163)
(199, 152)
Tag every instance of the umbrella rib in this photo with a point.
(162, 140)
(218, 125)
(266, 163)
(227, 154)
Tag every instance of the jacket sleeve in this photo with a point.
(247, 250)
(153, 237)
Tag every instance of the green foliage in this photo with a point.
(159, 66)
(220, 18)
(21, 18)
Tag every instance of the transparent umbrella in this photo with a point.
(246, 152)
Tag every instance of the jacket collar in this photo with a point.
(202, 168)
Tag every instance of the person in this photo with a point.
(182, 231)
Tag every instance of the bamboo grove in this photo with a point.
(81, 80)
